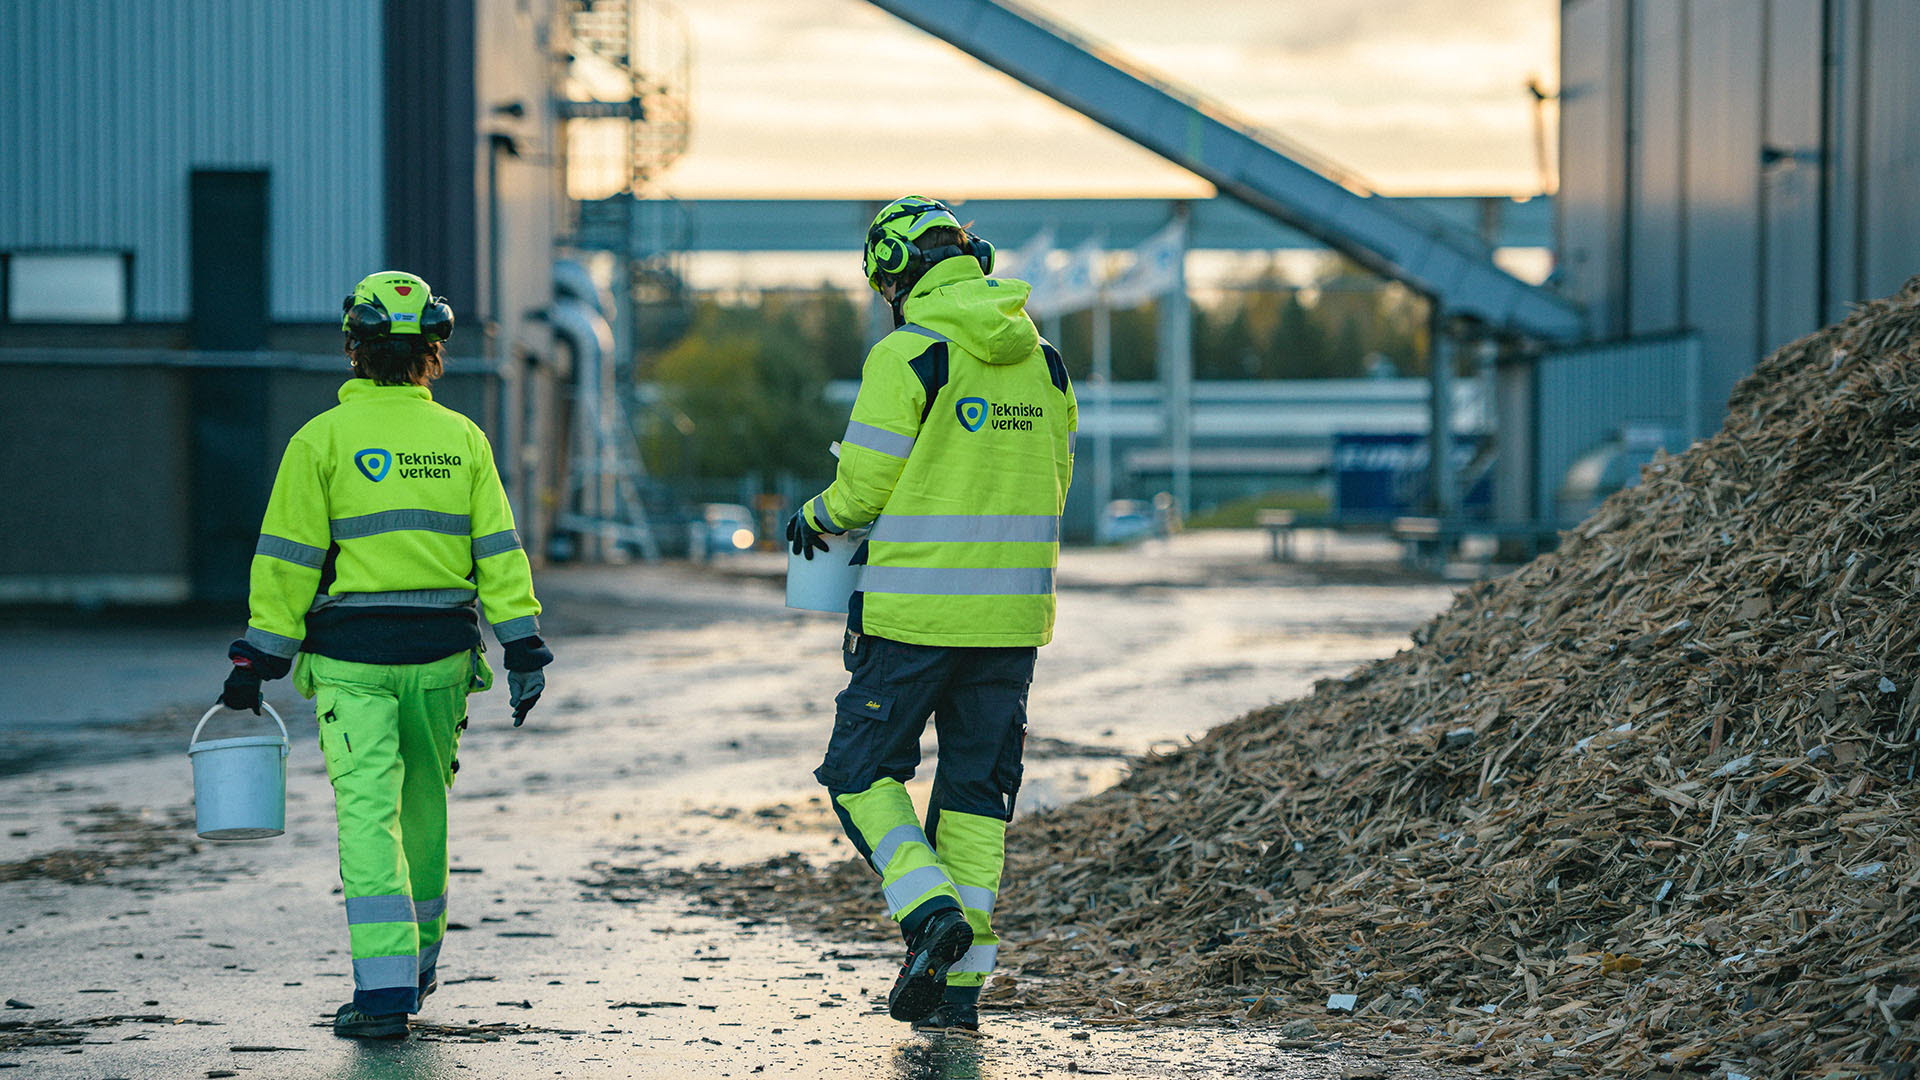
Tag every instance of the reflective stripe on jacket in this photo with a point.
(958, 455)
(394, 501)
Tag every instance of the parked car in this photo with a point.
(1124, 520)
(723, 529)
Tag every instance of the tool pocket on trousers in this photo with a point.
(1009, 767)
(853, 753)
(446, 704)
(336, 744)
(453, 757)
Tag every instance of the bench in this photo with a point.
(1427, 540)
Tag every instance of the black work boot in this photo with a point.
(951, 1018)
(350, 1023)
(923, 976)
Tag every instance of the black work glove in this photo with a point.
(242, 690)
(526, 681)
(803, 536)
(251, 667)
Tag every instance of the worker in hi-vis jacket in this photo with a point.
(386, 524)
(957, 461)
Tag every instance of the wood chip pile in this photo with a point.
(1645, 803)
(1643, 807)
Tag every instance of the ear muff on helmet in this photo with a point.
(892, 255)
(364, 321)
(436, 320)
(982, 249)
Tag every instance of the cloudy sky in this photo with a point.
(835, 97)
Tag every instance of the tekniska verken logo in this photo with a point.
(974, 412)
(376, 464)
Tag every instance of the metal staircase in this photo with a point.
(1448, 265)
(626, 108)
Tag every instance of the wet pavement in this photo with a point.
(680, 727)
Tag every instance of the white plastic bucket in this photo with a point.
(826, 581)
(240, 784)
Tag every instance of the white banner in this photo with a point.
(1156, 269)
(1075, 287)
(1028, 262)
(1079, 281)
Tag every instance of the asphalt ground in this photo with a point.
(683, 719)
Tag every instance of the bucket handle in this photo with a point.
(286, 741)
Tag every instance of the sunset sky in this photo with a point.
(837, 98)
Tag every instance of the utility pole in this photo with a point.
(1103, 404)
(1176, 368)
(1441, 487)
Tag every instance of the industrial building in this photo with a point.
(175, 235)
(196, 186)
(1733, 174)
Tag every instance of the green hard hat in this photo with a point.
(394, 303)
(890, 249)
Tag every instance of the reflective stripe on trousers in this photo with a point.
(978, 960)
(978, 898)
(890, 843)
(385, 972)
(912, 885)
(380, 909)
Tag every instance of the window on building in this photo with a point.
(67, 286)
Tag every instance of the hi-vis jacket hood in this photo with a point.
(958, 456)
(985, 316)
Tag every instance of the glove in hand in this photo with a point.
(523, 692)
(242, 690)
(803, 536)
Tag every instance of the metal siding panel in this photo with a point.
(1723, 241)
(1658, 201)
(1892, 159)
(1790, 185)
(1589, 198)
(1846, 28)
(1587, 396)
(136, 93)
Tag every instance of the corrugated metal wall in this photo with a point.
(110, 104)
(1587, 397)
(1743, 168)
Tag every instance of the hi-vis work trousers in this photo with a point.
(389, 733)
(978, 700)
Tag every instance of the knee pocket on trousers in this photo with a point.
(853, 752)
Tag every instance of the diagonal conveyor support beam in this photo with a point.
(1245, 163)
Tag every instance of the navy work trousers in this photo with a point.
(977, 698)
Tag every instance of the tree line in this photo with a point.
(745, 386)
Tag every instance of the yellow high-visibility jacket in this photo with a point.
(387, 522)
(958, 456)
